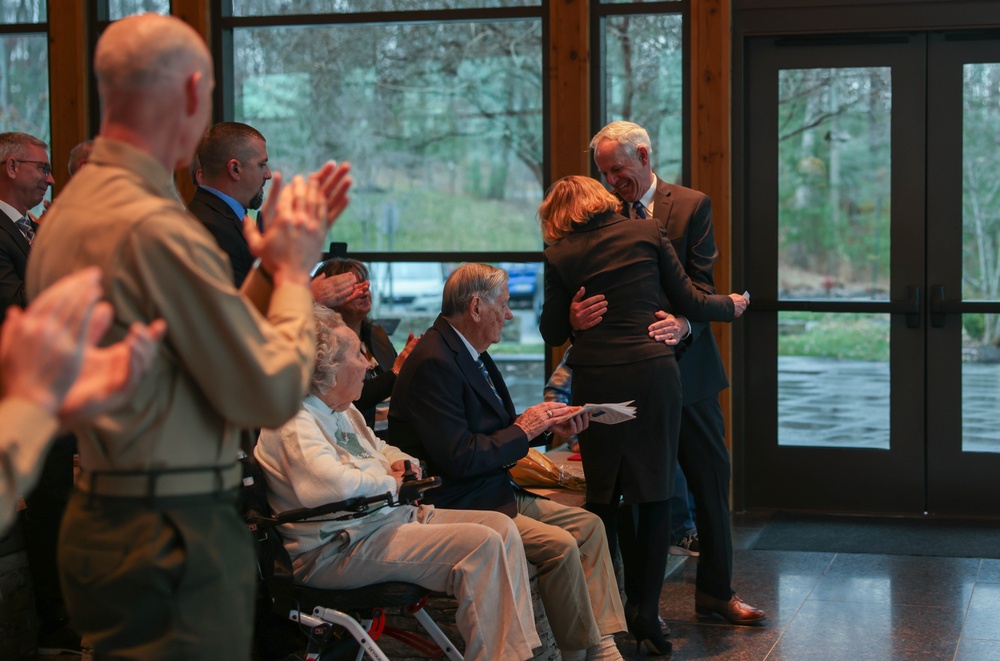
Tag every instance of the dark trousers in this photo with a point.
(704, 458)
(40, 523)
(152, 579)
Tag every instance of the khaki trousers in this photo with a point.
(576, 580)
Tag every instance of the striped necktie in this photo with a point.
(486, 373)
(640, 211)
(24, 224)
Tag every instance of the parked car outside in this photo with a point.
(524, 283)
(407, 286)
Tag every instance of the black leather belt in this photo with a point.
(161, 483)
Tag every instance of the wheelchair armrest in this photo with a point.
(411, 491)
(353, 505)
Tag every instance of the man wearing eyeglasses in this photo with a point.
(26, 177)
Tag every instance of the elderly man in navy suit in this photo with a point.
(622, 152)
(451, 408)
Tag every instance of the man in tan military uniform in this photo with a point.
(154, 560)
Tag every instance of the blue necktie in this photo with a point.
(27, 230)
(640, 211)
(486, 373)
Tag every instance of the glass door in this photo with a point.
(963, 273)
(872, 188)
(835, 254)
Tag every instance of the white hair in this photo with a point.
(627, 135)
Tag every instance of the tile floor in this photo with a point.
(836, 607)
(833, 607)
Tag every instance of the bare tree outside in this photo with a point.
(442, 123)
(122, 8)
(24, 70)
(644, 83)
(283, 7)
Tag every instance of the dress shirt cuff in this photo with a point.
(688, 333)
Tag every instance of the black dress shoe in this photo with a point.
(735, 610)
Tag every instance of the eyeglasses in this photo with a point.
(43, 166)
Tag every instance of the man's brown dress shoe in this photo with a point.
(735, 610)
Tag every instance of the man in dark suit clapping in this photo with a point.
(233, 160)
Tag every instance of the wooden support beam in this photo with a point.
(569, 99)
(69, 83)
(196, 14)
(711, 72)
(569, 87)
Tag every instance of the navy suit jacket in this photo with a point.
(443, 412)
(686, 215)
(222, 222)
(13, 262)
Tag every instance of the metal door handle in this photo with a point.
(938, 306)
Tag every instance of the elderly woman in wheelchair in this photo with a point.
(326, 453)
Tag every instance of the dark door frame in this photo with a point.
(795, 18)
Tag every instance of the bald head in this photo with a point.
(154, 75)
(148, 51)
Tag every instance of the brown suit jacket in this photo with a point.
(687, 216)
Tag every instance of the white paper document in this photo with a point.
(607, 414)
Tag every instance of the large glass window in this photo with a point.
(24, 70)
(833, 380)
(442, 124)
(644, 83)
(980, 254)
(440, 107)
(406, 298)
(280, 7)
(440, 111)
(834, 168)
(643, 80)
(24, 84)
(122, 8)
(23, 11)
(833, 242)
(631, 2)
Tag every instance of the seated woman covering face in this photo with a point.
(326, 453)
(383, 361)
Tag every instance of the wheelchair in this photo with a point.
(332, 624)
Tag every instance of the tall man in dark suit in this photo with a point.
(622, 154)
(27, 175)
(233, 160)
(450, 407)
